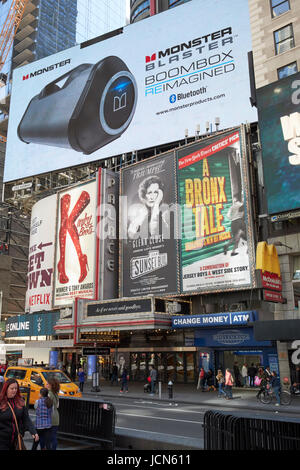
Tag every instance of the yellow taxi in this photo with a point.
(37, 377)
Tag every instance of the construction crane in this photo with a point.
(10, 27)
(8, 32)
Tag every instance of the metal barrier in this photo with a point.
(224, 431)
(25, 392)
(89, 420)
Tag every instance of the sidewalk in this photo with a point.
(188, 394)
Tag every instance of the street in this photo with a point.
(146, 423)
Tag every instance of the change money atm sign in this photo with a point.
(216, 238)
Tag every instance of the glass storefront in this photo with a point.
(180, 367)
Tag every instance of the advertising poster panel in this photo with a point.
(41, 256)
(216, 237)
(149, 247)
(88, 103)
(279, 122)
(75, 257)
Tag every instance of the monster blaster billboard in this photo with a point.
(279, 122)
(216, 243)
(148, 235)
(88, 102)
(41, 253)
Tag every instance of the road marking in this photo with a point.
(156, 417)
(153, 432)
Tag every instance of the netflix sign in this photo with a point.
(41, 253)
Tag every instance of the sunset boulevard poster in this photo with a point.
(149, 258)
(214, 215)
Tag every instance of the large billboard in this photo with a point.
(217, 241)
(41, 254)
(279, 123)
(115, 96)
(149, 241)
(73, 250)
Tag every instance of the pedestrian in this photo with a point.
(202, 377)
(228, 384)
(245, 375)
(276, 387)
(53, 388)
(236, 373)
(210, 381)
(114, 373)
(153, 377)
(220, 382)
(124, 380)
(252, 373)
(81, 377)
(1, 381)
(13, 416)
(262, 377)
(43, 407)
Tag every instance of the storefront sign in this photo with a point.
(271, 281)
(119, 307)
(270, 296)
(216, 319)
(228, 338)
(267, 258)
(37, 324)
(96, 351)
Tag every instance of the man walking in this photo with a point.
(252, 372)
(114, 374)
(153, 377)
(81, 377)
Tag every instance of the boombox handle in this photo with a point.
(52, 87)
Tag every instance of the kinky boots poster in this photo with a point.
(75, 256)
(148, 229)
(216, 238)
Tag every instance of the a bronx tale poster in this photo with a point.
(75, 255)
(41, 253)
(148, 228)
(215, 230)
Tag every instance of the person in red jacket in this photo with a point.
(11, 398)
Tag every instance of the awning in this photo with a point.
(277, 330)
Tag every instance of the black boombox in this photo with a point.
(84, 109)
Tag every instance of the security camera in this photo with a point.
(84, 109)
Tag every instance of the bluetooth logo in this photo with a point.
(172, 98)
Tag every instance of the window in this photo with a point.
(278, 7)
(16, 374)
(140, 9)
(287, 70)
(174, 3)
(284, 39)
(36, 379)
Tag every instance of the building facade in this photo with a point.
(227, 336)
(141, 9)
(275, 31)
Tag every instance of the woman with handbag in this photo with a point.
(53, 386)
(14, 418)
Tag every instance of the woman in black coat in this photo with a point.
(10, 395)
